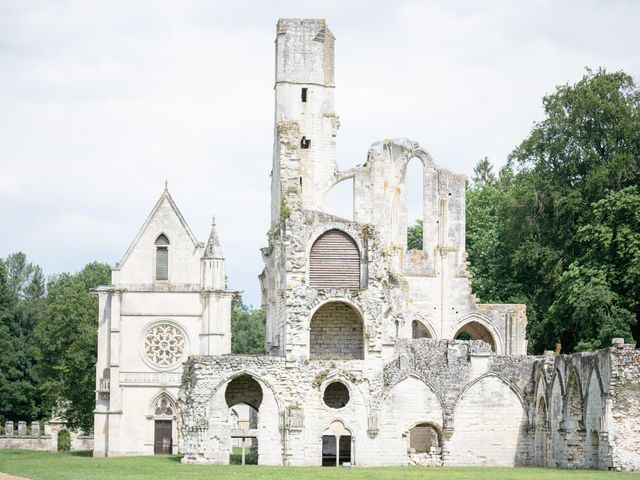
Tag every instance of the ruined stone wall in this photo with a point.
(426, 381)
(585, 409)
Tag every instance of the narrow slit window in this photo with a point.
(304, 94)
(162, 257)
(305, 143)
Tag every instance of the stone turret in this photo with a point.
(213, 268)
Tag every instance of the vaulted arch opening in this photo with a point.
(475, 331)
(339, 200)
(336, 332)
(334, 261)
(419, 330)
(244, 397)
(337, 445)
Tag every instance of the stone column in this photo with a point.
(22, 428)
(8, 428)
(35, 429)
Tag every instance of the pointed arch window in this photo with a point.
(162, 257)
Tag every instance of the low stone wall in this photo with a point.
(31, 439)
(26, 443)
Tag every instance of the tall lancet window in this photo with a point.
(162, 257)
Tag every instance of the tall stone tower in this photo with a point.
(304, 152)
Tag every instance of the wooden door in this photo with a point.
(162, 440)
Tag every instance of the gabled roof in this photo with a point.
(164, 196)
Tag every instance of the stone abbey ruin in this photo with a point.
(362, 365)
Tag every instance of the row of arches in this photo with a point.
(570, 420)
(336, 331)
(413, 428)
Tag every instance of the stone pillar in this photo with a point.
(8, 428)
(22, 428)
(35, 429)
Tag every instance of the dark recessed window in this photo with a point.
(336, 395)
(305, 143)
(304, 94)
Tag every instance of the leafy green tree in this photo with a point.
(247, 329)
(542, 244)
(414, 236)
(67, 344)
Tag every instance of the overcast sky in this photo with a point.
(100, 102)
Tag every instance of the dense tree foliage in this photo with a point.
(22, 306)
(48, 339)
(558, 228)
(247, 329)
(67, 344)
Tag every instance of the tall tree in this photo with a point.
(67, 344)
(21, 304)
(585, 149)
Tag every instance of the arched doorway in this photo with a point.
(244, 397)
(164, 412)
(475, 330)
(336, 445)
(336, 332)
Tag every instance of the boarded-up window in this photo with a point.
(334, 261)
(162, 258)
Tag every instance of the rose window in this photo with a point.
(164, 345)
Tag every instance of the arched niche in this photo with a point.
(489, 425)
(336, 331)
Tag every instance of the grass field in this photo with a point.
(80, 466)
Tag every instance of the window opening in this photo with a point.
(305, 143)
(304, 94)
(336, 395)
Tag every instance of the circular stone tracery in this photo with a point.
(164, 344)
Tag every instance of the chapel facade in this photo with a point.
(364, 362)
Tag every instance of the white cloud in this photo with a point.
(100, 102)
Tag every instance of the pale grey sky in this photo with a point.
(101, 101)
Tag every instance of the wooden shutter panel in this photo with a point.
(162, 263)
(334, 262)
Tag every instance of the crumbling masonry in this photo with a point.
(375, 354)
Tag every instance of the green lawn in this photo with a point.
(80, 466)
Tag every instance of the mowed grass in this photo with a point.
(81, 466)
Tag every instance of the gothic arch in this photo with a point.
(418, 323)
(513, 387)
(154, 403)
(485, 329)
(258, 378)
(429, 385)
